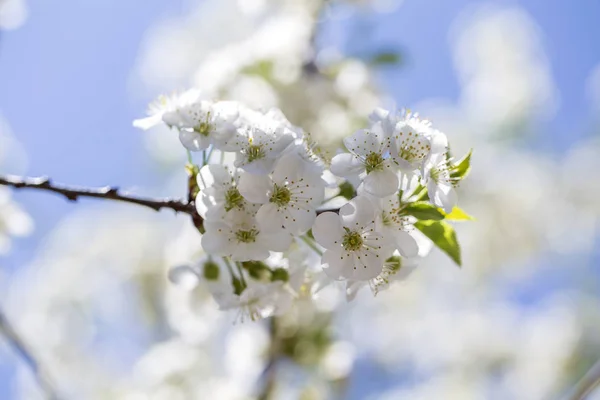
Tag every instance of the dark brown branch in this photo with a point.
(108, 193)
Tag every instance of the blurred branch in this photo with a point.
(107, 193)
(586, 385)
(25, 353)
(269, 375)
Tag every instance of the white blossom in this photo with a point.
(355, 250)
(257, 150)
(411, 144)
(240, 237)
(219, 193)
(204, 123)
(394, 269)
(439, 182)
(258, 300)
(165, 104)
(369, 159)
(288, 196)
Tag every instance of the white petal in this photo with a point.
(193, 141)
(336, 263)
(367, 265)
(287, 168)
(249, 252)
(298, 220)
(362, 142)
(215, 242)
(357, 213)
(346, 164)
(406, 244)
(259, 167)
(255, 188)
(445, 197)
(352, 289)
(381, 183)
(269, 219)
(213, 174)
(280, 241)
(328, 231)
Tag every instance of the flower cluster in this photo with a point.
(261, 195)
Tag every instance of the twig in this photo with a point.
(25, 353)
(108, 193)
(586, 385)
(269, 374)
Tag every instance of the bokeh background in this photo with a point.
(85, 284)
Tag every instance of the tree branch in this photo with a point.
(586, 385)
(25, 353)
(108, 193)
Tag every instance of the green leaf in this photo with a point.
(461, 169)
(386, 58)
(458, 214)
(442, 234)
(423, 211)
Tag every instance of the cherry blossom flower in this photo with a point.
(355, 250)
(411, 144)
(240, 237)
(257, 150)
(395, 269)
(203, 123)
(439, 182)
(369, 159)
(288, 196)
(165, 104)
(219, 193)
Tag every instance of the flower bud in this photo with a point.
(211, 271)
(280, 274)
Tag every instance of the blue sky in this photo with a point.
(64, 84)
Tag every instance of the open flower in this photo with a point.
(355, 250)
(439, 182)
(219, 192)
(204, 123)
(410, 142)
(240, 237)
(288, 196)
(164, 105)
(258, 300)
(257, 149)
(395, 269)
(395, 226)
(369, 159)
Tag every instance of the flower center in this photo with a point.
(233, 199)
(352, 241)
(204, 128)
(374, 162)
(413, 148)
(255, 152)
(435, 174)
(281, 196)
(246, 236)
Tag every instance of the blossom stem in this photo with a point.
(207, 154)
(228, 264)
(189, 156)
(327, 200)
(26, 355)
(311, 244)
(239, 268)
(108, 193)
